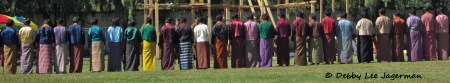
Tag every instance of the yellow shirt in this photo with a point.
(27, 35)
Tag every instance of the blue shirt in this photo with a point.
(115, 34)
(45, 35)
(345, 28)
(95, 34)
(9, 36)
(76, 34)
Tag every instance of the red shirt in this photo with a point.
(328, 25)
(300, 27)
(237, 29)
(283, 28)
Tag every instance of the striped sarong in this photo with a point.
(76, 58)
(62, 52)
(26, 60)
(97, 58)
(10, 59)
(148, 55)
(44, 59)
(186, 56)
(202, 49)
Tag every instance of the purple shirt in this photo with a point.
(283, 28)
(251, 29)
(61, 35)
(414, 23)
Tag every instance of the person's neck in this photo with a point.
(265, 20)
(381, 15)
(343, 18)
(249, 20)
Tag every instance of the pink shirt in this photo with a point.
(251, 29)
(442, 23)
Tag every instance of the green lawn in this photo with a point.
(430, 71)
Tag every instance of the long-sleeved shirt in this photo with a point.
(95, 34)
(283, 28)
(300, 27)
(237, 30)
(328, 25)
(316, 29)
(414, 23)
(364, 27)
(219, 31)
(251, 29)
(442, 23)
(61, 35)
(132, 35)
(399, 26)
(428, 22)
(383, 25)
(76, 34)
(185, 33)
(27, 35)
(201, 33)
(9, 36)
(45, 35)
(148, 33)
(345, 29)
(266, 30)
(114, 34)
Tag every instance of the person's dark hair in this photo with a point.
(364, 15)
(148, 20)
(427, 9)
(60, 21)
(250, 17)
(299, 14)
(219, 18)
(201, 20)
(312, 16)
(382, 11)
(183, 20)
(116, 21)
(328, 13)
(94, 22)
(46, 21)
(412, 11)
(76, 19)
(344, 15)
(132, 23)
(282, 15)
(397, 14)
(9, 23)
(168, 20)
(265, 17)
(235, 15)
(440, 10)
(27, 22)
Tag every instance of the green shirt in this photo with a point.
(148, 33)
(266, 30)
(131, 35)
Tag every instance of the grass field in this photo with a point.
(430, 71)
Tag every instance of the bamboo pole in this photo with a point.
(158, 51)
(320, 10)
(209, 14)
(287, 9)
(227, 13)
(266, 3)
(333, 8)
(313, 8)
(251, 6)
(261, 7)
(240, 11)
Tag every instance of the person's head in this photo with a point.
(412, 12)
(364, 15)
(46, 21)
(281, 15)
(148, 20)
(398, 15)
(312, 17)
(299, 14)
(381, 11)
(116, 21)
(132, 23)
(427, 9)
(9, 23)
(219, 18)
(76, 20)
(201, 20)
(343, 16)
(249, 17)
(60, 21)
(265, 17)
(27, 22)
(94, 22)
(182, 20)
(168, 20)
(328, 13)
(235, 16)
(440, 10)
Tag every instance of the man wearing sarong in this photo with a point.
(9, 40)
(202, 36)
(62, 49)
(266, 35)
(237, 38)
(115, 38)
(329, 28)
(219, 39)
(442, 34)
(365, 32)
(76, 46)
(186, 39)
(397, 34)
(429, 35)
(300, 32)
(168, 43)
(27, 36)
(317, 35)
(251, 43)
(415, 35)
(148, 34)
(133, 40)
(383, 27)
(96, 39)
(345, 34)
(45, 36)
(283, 30)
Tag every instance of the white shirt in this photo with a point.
(201, 33)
